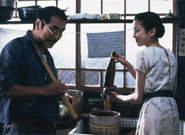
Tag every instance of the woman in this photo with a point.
(155, 73)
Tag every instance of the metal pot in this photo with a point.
(28, 13)
(78, 95)
(64, 118)
(6, 13)
(7, 3)
(63, 111)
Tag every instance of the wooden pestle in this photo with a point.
(51, 75)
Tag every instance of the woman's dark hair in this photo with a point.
(151, 20)
(46, 13)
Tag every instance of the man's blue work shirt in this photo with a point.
(19, 65)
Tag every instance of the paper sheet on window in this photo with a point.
(103, 43)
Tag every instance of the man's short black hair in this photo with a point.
(46, 13)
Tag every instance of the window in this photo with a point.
(70, 52)
(92, 71)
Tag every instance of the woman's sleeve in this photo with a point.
(142, 63)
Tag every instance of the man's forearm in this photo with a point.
(22, 92)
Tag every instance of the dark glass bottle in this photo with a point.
(110, 72)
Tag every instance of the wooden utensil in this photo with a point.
(51, 75)
(109, 80)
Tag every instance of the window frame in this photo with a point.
(78, 69)
(78, 50)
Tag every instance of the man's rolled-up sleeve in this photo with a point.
(9, 66)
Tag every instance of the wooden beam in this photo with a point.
(78, 47)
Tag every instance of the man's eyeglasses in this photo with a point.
(53, 32)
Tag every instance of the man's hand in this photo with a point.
(54, 88)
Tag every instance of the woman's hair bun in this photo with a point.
(151, 20)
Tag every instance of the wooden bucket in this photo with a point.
(104, 122)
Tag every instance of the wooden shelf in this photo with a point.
(39, 0)
(88, 21)
(100, 21)
(71, 21)
(16, 22)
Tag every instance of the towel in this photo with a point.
(103, 43)
(84, 16)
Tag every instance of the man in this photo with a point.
(29, 99)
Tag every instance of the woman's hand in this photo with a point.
(125, 63)
(113, 95)
(121, 59)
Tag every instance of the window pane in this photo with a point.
(22, 27)
(69, 4)
(118, 79)
(113, 6)
(8, 34)
(48, 3)
(67, 76)
(25, 3)
(90, 78)
(130, 81)
(131, 46)
(161, 6)
(63, 51)
(166, 40)
(90, 6)
(136, 6)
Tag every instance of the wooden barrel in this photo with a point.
(104, 122)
